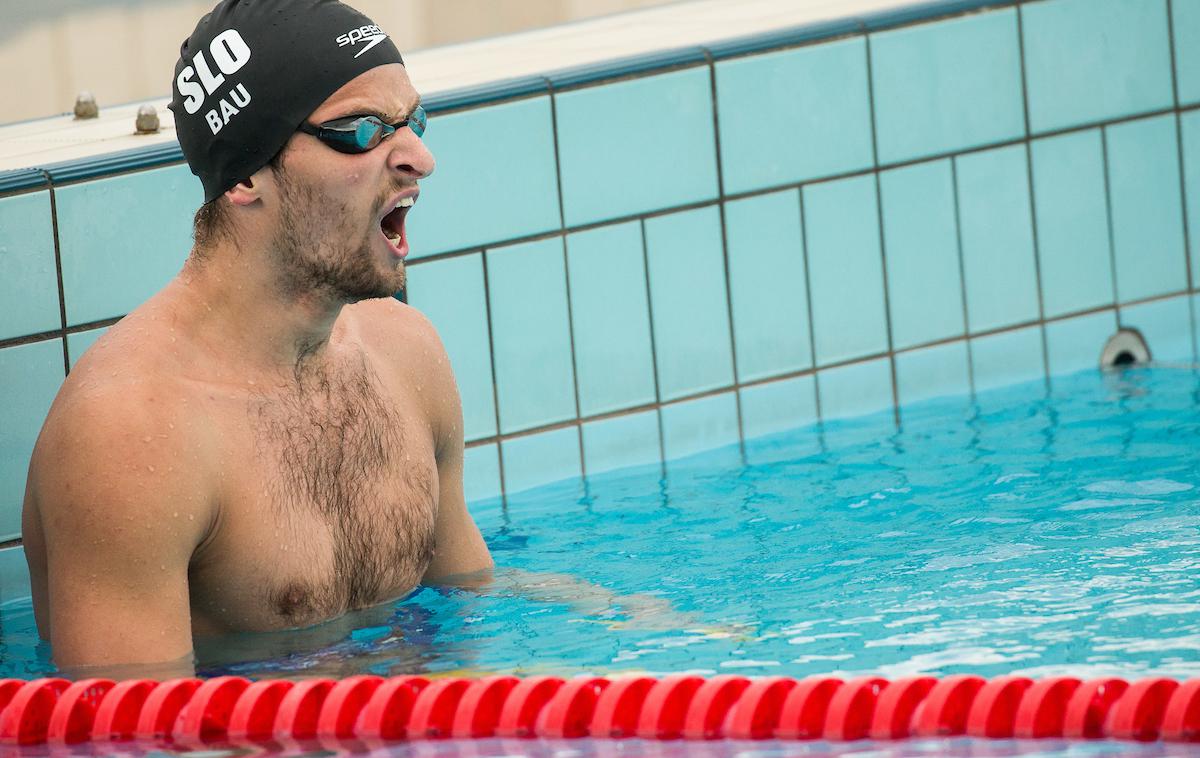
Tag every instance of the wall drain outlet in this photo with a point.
(1125, 348)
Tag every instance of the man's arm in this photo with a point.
(459, 547)
(114, 508)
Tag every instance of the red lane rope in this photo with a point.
(368, 710)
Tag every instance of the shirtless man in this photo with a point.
(271, 440)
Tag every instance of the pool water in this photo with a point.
(1025, 530)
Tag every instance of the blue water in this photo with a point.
(1022, 531)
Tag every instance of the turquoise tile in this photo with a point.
(1074, 344)
(78, 343)
(538, 459)
(845, 269)
(531, 335)
(481, 472)
(1072, 222)
(1012, 357)
(1166, 325)
(1189, 124)
(30, 375)
(28, 279)
(778, 406)
(621, 441)
(794, 115)
(767, 287)
(657, 129)
(1091, 60)
(1185, 18)
(947, 85)
(495, 168)
(694, 426)
(613, 354)
(856, 389)
(1147, 210)
(999, 267)
(451, 293)
(932, 372)
(687, 296)
(123, 238)
(921, 242)
(14, 575)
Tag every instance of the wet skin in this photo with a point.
(268, 442)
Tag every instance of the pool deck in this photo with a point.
(47, 141)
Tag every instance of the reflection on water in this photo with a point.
(1025, 532)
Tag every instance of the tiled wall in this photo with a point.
(677, 260)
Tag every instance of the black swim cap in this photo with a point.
(254, 70)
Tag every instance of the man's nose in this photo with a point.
(410, 156)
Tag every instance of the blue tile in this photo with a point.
(79, 343)
(997, 238)
(687, 296)
(1074, 344)
(531, 335)
(856, 389)
(451, 293)
(1166, 325)
(1091, 60)
(495, 166)
(666, 155)
(767, 285)
(1147, 210)
(613, 354)
(14, 575)
(921, 242)
(695, 426)
(1189, 124)
(946, 86)
(1185, 18)
(845, 269)
(1012, 357)
(1072, 222)
(28, 280)
(932, 372)
(622, 441)
(30, 375)
(123, 238)
(538, 459)
(778, 406)
(794, 115)
(481, 472)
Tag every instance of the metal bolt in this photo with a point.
(147, 120)
(85, 105)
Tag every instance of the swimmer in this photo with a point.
(272, 440)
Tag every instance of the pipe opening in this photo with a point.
(1125, 348)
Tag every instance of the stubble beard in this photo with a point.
(313, 249)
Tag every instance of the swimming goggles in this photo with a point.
(358, 134)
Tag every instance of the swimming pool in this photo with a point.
(812, 224)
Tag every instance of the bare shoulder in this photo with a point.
(407, 343)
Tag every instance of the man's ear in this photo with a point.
(245, 192)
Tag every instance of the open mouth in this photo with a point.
(392, 227)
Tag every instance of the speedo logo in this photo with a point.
(370, 34)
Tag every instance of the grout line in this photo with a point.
(887, 303)
(662, 445)
(1108, 215)
(962, 276)
(566, 271)
(1027, 141)
(727, 268)
(812, 334)
(543, 235)
(1183, 193)
(487, 308)
(58, 273)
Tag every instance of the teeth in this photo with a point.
(405, 203)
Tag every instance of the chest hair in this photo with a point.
(335, 447)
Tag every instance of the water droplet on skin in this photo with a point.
(146, 438)
(150, 469)
(175, 514)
